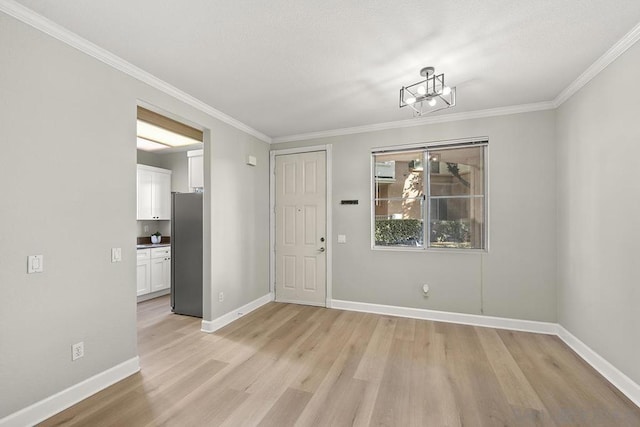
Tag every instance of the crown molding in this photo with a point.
(600, 64)
(467, 115)
(49, 27)
(26, 15)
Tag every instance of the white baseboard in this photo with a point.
(445, 316)
(60, 401)
(210, 326)
(622, 382)
(153, 295)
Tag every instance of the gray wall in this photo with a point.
(67, 126)
(516, 278)
(164, 227)
(179, 164)
(175, 162)
(598, 213)
(148, 158)
(240, 219)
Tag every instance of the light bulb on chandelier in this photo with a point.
(428, 95)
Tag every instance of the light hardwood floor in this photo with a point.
(288, 364)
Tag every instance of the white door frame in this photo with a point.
(272, 216)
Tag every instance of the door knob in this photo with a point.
(321, 249)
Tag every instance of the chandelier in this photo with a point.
(428, 95)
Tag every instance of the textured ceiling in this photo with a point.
(288, 67)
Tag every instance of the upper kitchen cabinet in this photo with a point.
(154, 193)
(196, 169)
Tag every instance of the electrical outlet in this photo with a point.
(221, 297)
(77, 351)
(146, 228)
(35, 264)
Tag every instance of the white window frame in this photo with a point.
(425, 148)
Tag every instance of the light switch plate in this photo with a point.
(116, 254)
(35, 264)
(342, 238)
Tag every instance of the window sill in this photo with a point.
(436, 250)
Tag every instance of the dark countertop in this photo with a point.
(145, 242)
(152, 245)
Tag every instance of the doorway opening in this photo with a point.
(172, 221)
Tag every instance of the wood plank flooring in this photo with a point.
(287, 364)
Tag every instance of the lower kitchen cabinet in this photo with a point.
(160, 268)
(144, 277)
(154, 270)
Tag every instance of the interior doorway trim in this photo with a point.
(272, 216)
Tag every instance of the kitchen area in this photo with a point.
(170, 185)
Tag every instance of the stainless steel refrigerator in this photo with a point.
(186, 253)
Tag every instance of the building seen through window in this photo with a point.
(432, 197)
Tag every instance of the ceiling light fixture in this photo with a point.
(423, 97)
(164, 136)
(146, 145)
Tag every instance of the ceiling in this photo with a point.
(289, 67)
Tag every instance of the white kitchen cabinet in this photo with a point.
(143, 271)
(196, 169)
(157, 278)
(154, 193)
(160, 268)
(154, 269)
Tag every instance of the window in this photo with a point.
(432, 197)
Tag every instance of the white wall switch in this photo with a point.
(342, 238)
(35, 264)
(252, 161)
(116, 254)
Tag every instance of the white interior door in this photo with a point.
(300, 228)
